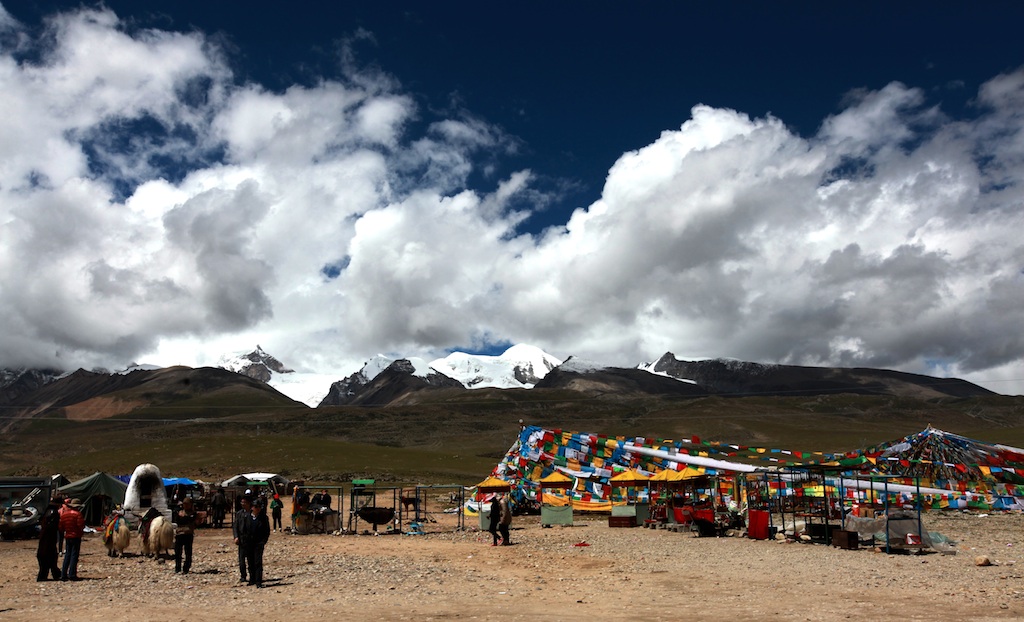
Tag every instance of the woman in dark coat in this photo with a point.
(49, 525)
(506, 520)
(495, 519)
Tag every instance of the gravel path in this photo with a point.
(588, 570)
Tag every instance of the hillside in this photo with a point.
(404, 421)
(729, 377)
(212, 423)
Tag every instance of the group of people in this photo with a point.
(249, 527)
(61, 528)
(302, 503)
(501, 520)
(251, 530)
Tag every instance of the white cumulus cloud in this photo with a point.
(154, 207)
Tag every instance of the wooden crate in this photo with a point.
(848, 540)
(622, 521)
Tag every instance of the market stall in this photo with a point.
(491, 485)
(633, 511)
(555, 508)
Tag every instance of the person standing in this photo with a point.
(184, 535)
(257, 532)
(220, 507)
(295, 509)
(46, 553)
(276, 506)
(239, 529)
(506, 520)
(60, 532)
(495, 519)
(72, 524)
(300, 505)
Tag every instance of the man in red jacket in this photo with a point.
(72, 525)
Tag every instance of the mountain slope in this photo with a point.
(87, 396)
(737, 378)
(15, 383)
(597, 380)
(391, 387)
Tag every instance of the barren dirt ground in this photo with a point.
(585, 571)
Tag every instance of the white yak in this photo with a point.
(116, 536)
(161, 538)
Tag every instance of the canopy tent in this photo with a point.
(178, 481)
(273, 480)
(493, 484)
(555, 481)
(556, 509)
(99, 493)
(667, 476)
(490, 485)
(630, 478)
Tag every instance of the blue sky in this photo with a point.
(805, 183)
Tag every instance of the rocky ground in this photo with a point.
(588, 570)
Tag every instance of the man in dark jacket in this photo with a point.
(239, 524)
(255, 531)
(184, 535)
(506, 520)
(46, 553)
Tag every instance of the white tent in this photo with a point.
(246, 479)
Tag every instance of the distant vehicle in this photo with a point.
(21, 519)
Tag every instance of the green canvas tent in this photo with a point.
(99, 494)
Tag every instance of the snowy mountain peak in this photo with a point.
(581, 366)
(377, 364)
(372, 368)
(256, 364)
(308, 388)
(520, 366)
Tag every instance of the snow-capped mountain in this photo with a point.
(15, 383)
(308, 388)
(345, 390)
(402, 380)
(582, 366)
(528, 367)
(256, 364)
(520, 366)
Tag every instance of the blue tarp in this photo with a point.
(168, 481)
(174, 481)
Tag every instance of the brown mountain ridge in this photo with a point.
(216, 418)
